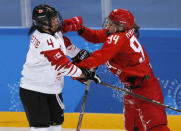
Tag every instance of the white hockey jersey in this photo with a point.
(46, 74)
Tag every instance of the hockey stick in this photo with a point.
(140, 97)
(83, 106)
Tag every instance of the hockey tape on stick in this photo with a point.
(140, 97)
(83, 105)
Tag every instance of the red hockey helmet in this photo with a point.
(122, 16)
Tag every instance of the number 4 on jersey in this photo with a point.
(50, 43)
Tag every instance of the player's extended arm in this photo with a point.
(65, 68)
(76, 24)
(71, 49)
(62, 64)
(93, 36)
(100, 57)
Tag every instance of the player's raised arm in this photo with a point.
(90, 35)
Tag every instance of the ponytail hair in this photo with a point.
(136, 30)
(32, 29)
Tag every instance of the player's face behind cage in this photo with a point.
(111, 26)
(55, 24)
(46, 17)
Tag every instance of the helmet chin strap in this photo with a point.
(53, 32)
(49, 31)
(121, 28)
(117, 30)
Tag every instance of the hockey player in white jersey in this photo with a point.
(44, 70)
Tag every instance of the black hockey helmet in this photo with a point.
(43, 14)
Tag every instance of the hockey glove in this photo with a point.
(72, 24)
(83, 81)
(89, 75)
(134, 82)
(83, 54)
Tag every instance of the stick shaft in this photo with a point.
(83, 106)
(140, 97)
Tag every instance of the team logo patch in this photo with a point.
(57, 56)
(40, 11)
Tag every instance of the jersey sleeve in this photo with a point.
(62, 64)
(94, 36)
(51, 50)
(71, 49)
(111, 46)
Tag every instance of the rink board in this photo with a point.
(90, 121)
(103, 104)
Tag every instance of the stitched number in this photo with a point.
(136, 46)
(50, 43)
(113, 38)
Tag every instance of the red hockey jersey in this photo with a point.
(121, 52)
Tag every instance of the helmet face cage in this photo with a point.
(43, 14)
(105, 22)
(60, 19)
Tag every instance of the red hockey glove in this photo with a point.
(72, 24)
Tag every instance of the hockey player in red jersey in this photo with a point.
(125, 57)
(44, 70)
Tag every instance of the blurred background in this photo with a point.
(160, 35)
(148, 13)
